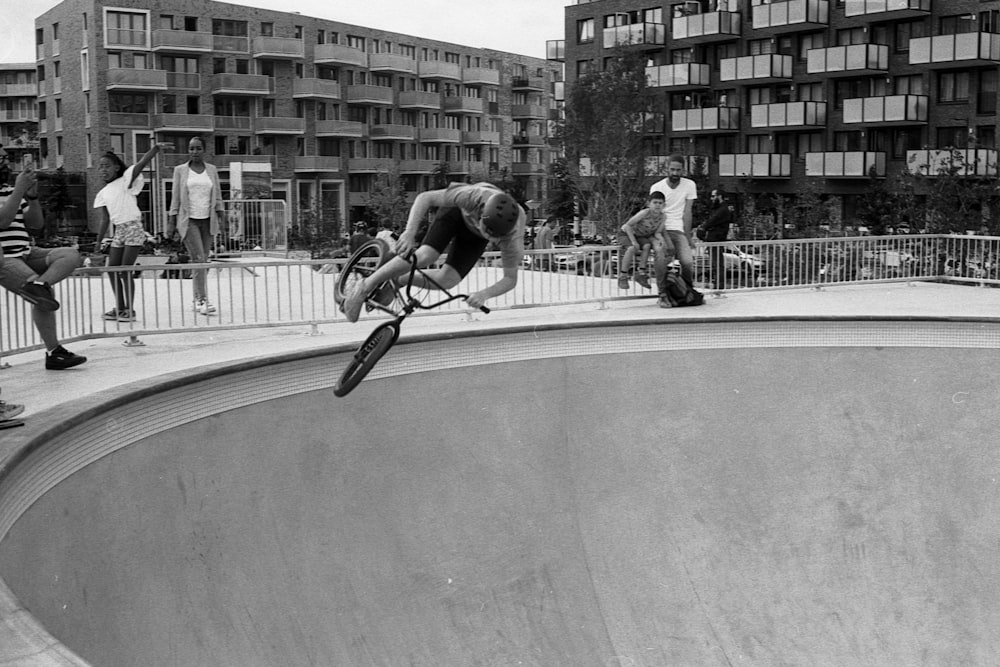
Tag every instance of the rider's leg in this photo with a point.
(398, 266)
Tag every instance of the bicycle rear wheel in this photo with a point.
(362, 264)
(374, 347)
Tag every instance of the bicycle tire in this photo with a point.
(362, 264)
(375, 346)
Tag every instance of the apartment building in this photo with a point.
(775, 94)
(319, 107)
(18, 109)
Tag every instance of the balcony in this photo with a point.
(119, 119)
(242, 123)
(481, 76)
(463, 105)
(680, 76)
(317, 163)
(978, 163)
(479, 138)
(124, 78)
(18, 90)
(528, 111)
(852, 60)
(788, 115)
(527, 168)
(18, 116)
(438, 70)
(555, 49)
(241, 84)
(694, 165)
(315, 89)
(231, 43)
(762, 68)
(559, 91)
(391, 62)
(459, 167)
(651, 35)
(339, 128)
(707, 27)
(392, 132)
(182, 41)
(419, 99)
(370, 164)
(440, 135)
(846, 164)
(710, 119)
(366, 94)
(183, 122)
(755, 165)
(966, 49)
(795, 15)
(339, 54)
(528, 83)
(184, 81)
(893, 9)
(418, 166)
(279, 126)
(528, 139)
(887, 110)
(278, 48)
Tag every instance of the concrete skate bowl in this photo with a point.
(674, 493)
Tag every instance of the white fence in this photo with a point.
(270, 293)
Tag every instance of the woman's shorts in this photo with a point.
(128, 233)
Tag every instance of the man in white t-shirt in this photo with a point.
(680, 194)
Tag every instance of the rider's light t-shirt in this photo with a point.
(470, 199)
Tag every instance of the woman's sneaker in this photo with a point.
(126, 316)
(111, 315)
(204, 307)
(60, 359)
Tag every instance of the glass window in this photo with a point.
(124, 28)
(585, 31)
(953, 87)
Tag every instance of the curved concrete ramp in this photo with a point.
(719, 507)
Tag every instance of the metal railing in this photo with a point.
(279, 292)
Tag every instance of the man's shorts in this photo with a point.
(448, 227)
(128, 233)
(18, 270)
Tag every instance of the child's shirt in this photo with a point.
(120, 199)
(649, 223)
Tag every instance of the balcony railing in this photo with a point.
(479, 137)
(717, 119)
(898, 109)
(755, 165)
(898, 8)
(418, 166)
(313, 88)
(126, 78)
(794, 14)
(846, 164)
(967, 48)
(118, 119)
(850, 60)
(679, 76)
(462, 105)
(524, 168)
(183, 122)
(373, 164)
(981, 162)
(183, 81)
(278, 47)
(761, 68)
(279, 125)
(366, 94)
(439, 69)
(635, 34)
(182, 41)
(18, 89)
(392, 132)
(528, 111)
(555, 49)
(440, 135)
(707, 27)
(240, 84)
(231, 43)
(535, 83)
(317, 163)
(233, 122)
(481, 75)
(392, 62)
(788, 115)
(339, 54)
(419, 99)
(339, 128)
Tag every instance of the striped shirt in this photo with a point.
(14, 239)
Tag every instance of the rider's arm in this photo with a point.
(422, 205)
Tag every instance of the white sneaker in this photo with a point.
(204, 307)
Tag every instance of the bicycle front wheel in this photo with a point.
(362, 264)
(374, 347)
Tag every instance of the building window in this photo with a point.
(267, 29)
(582, 67)
(298, 32)
(953, 87)
(986, 99)
(957, 25)
(125, 28)
(850, 36)
(905, 139)
(816, 40)
(989, 21)
(84, 71)
(953, 137)
(811, 92)
(585, 31)
(847, 141)
(986, 136)
(356, 42)
(758, 47)
(907, 30)
(55, 31)
(228, 28)
(912, 84)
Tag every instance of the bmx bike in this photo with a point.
(398, 300)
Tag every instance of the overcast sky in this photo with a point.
(517, 26)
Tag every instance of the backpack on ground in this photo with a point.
(680, 292)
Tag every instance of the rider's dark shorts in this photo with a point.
(466, 246)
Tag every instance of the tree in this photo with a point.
(387, 204)
(959, 195)
(562, 193)
(602, 135)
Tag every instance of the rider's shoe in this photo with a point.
(384, 294)
(353, 301)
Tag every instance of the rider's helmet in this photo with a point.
(500, 214)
